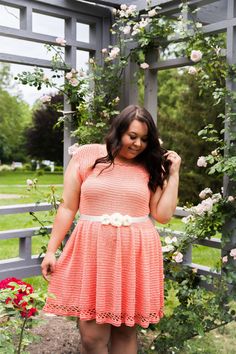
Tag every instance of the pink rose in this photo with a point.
(178, 257)
(144, 66)
(196, 55)
(61, 41)
(233, 253)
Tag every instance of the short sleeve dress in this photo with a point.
(111, 274)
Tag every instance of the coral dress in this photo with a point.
(108, 273)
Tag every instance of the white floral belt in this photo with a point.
(115, 219)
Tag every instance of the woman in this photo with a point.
(110, 274)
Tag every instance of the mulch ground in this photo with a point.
(60, 335)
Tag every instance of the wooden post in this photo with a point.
(150, 85)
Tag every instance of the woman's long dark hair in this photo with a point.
(152, 158)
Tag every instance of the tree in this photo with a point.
(14, 117)
(182, 113)
(44, 141)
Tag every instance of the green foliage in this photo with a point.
(182, 113)
(43, 125)
(14, 117)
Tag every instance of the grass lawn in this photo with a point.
(13, 186)
(20, 177)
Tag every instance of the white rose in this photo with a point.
(233, 253)
(114, 11)
(45, 98)
(230, 198)
(214, 152)
(178, 257)
(123, 7)
(186, 219)
(135, 32)
(69, 75)
(144, 22)
(168, 240)
(198, 24)
(225, 259)
(114, 52)
(144, 66)
(126, 30)
(207, 204)
(61, 41)
(205, 192)
(196, 55)
(201, 162)
(167, 248)
(152, 13)
(91, 61)
(29, 182)
(123, 13)
(104, 50)
(74, 82)
(192, 70)
(216, 197)
(73, 149)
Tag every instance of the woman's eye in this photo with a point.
(132, 137)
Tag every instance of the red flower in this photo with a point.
(18, 301)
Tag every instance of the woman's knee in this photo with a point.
(93, 336)
(124, 332)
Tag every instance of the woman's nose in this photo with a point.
(137, 142)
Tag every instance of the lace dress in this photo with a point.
(108, 273)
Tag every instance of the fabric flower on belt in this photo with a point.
(116, 219)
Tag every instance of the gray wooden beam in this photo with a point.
(20, 233)
(59, 5)
(44, 39)
(24, 208)
(20, 268)
(170, 63)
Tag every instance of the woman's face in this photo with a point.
(134, 141)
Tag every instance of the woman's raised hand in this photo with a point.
(175, 160)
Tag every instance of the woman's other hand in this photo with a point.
(48, 265)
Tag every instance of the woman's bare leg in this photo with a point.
(123, 340)
(94, 337)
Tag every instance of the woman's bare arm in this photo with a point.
(163, 202)
(65, 215)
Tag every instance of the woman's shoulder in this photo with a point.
(86, 150)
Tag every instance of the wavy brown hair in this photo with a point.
(152, 158)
